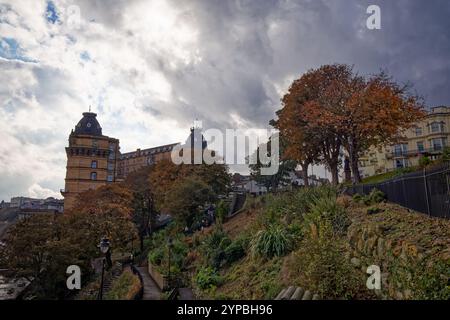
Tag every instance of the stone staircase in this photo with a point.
(110, 276)
(296, 293)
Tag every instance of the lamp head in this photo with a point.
(104, 245)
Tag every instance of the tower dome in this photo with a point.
(88, 125)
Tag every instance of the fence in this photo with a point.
(426, 191)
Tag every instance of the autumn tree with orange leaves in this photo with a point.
(331, 109)
(167, 177)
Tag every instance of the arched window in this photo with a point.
(94, 164)
(93, 175)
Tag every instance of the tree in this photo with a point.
(186, 197)
(111, 197)
(36, 251)
(335, 108)
(303, 119)
(144, 209)
(297, 147)
(165, 175)
(271, 182)
(377, 112)
(105, 211)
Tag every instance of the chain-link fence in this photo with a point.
(426, 191)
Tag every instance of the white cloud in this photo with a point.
(150, 67)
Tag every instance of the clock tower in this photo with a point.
(91, 159)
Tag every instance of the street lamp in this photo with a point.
(169, 245)
(104, 249)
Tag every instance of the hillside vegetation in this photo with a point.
(316, 239)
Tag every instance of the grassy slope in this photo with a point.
(252, 278)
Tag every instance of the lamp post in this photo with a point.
(104, 249)
(169, 245)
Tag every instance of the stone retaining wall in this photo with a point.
(160, 279)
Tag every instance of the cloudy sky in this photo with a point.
(151, 67)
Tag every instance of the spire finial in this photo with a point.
(89, 108)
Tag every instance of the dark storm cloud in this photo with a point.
(249, 48)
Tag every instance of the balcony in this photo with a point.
(415, 153)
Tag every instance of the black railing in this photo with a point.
(426, 191)
(415, 153)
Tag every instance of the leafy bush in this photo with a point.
(427, 279)
(159, 256)
(446, 154)
(235, 251)
(357, 197)
(272, 241)
(126, 287)
(327, 208)
(156, 256)
(222, 210)
(424, 161)
(293, 205)
(214, 247)
(207, 278)
(374, 197)
(322, 266)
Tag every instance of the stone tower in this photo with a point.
(91, 159)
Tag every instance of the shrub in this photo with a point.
(222, 211)
(446, 154)
(327, 208)
(321, 265)
(424, 161)
(272, 241)
(357, 197)
(159, 256)
(235, 251)
(428, 279)
(156, 256)
(214, 247)
(375, 196)
(207, 278)
(126, 287)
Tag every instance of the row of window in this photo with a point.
(436, 145)
(94, 165)
(434, 127)
(109, 178)
(92, 152)
(147, 152)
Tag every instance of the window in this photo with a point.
(420, 146)
(93, 175)
(94, 143)
(110, 178)
(436, 127)
(437, 144)
(94, 164)
(110, 166)
(400, 149)
(418, 132)
(401, 163)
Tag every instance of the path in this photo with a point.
(151, 290)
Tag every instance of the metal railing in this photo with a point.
(414, 153)
(426, 191)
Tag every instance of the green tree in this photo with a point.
(186, 198)
(271, 182)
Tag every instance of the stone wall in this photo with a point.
(401, 243)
